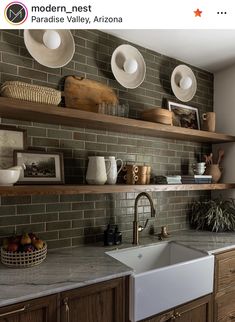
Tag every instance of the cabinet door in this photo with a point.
(225, 308)
(38, 310)
(225, 272)
(101, 302)
(195, 311)
(165, 317)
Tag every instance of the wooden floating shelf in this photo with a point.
(28, 111)
(93, 189)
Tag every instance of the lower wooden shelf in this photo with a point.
(96, 189)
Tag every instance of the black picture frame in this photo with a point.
(184, 115)
(41, 167)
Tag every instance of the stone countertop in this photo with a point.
(76, 267)
(212, 243)
(62, 270)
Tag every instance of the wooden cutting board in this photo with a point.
(85, 94)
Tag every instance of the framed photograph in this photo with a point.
(184, 115)
(40, 167)
(11, 138)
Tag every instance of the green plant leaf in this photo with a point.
(215, 215)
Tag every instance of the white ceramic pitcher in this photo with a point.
(113, 173)
(96, 170)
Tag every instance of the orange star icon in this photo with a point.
(197, 13)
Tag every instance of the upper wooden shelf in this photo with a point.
(22, 110)
(92, 189)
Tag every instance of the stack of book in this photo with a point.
(168, 179)
(189, 179)
(196, 179)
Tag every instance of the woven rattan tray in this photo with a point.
(23, 259)
(29, 92)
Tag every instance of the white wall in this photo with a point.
(224, 106)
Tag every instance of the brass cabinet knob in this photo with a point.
(177, 315)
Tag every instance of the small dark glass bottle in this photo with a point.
(109, 236)
(117, 236)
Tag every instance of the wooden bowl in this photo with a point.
(158, 115)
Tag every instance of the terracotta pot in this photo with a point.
(215, 171)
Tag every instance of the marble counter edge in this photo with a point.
(61, 289)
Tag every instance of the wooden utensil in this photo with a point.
(210, 158)
(206, 158)
(221, 155)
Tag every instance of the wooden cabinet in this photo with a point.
(39, 310)
(165, 317)
(224, 310)
(199, 310)
(102, 302)
(224, 272)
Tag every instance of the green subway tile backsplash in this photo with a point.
(69, 220)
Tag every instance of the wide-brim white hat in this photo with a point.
(120, 55)
(52, 58)
(183, 71)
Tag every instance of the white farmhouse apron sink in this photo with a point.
(165, 275)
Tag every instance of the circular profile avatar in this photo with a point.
(16, 13)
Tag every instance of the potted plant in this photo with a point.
(215, 215)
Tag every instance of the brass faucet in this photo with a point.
(136, 227)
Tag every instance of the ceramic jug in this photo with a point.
(113, 173)
(96, 170)
(208, 121)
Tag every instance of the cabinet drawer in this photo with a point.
(43, 309)
(225, 271)
(225, 308)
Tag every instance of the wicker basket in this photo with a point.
(32, 93)
(22, 259)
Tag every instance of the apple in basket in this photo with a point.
(12, 247)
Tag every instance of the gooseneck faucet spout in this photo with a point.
(136, 227)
